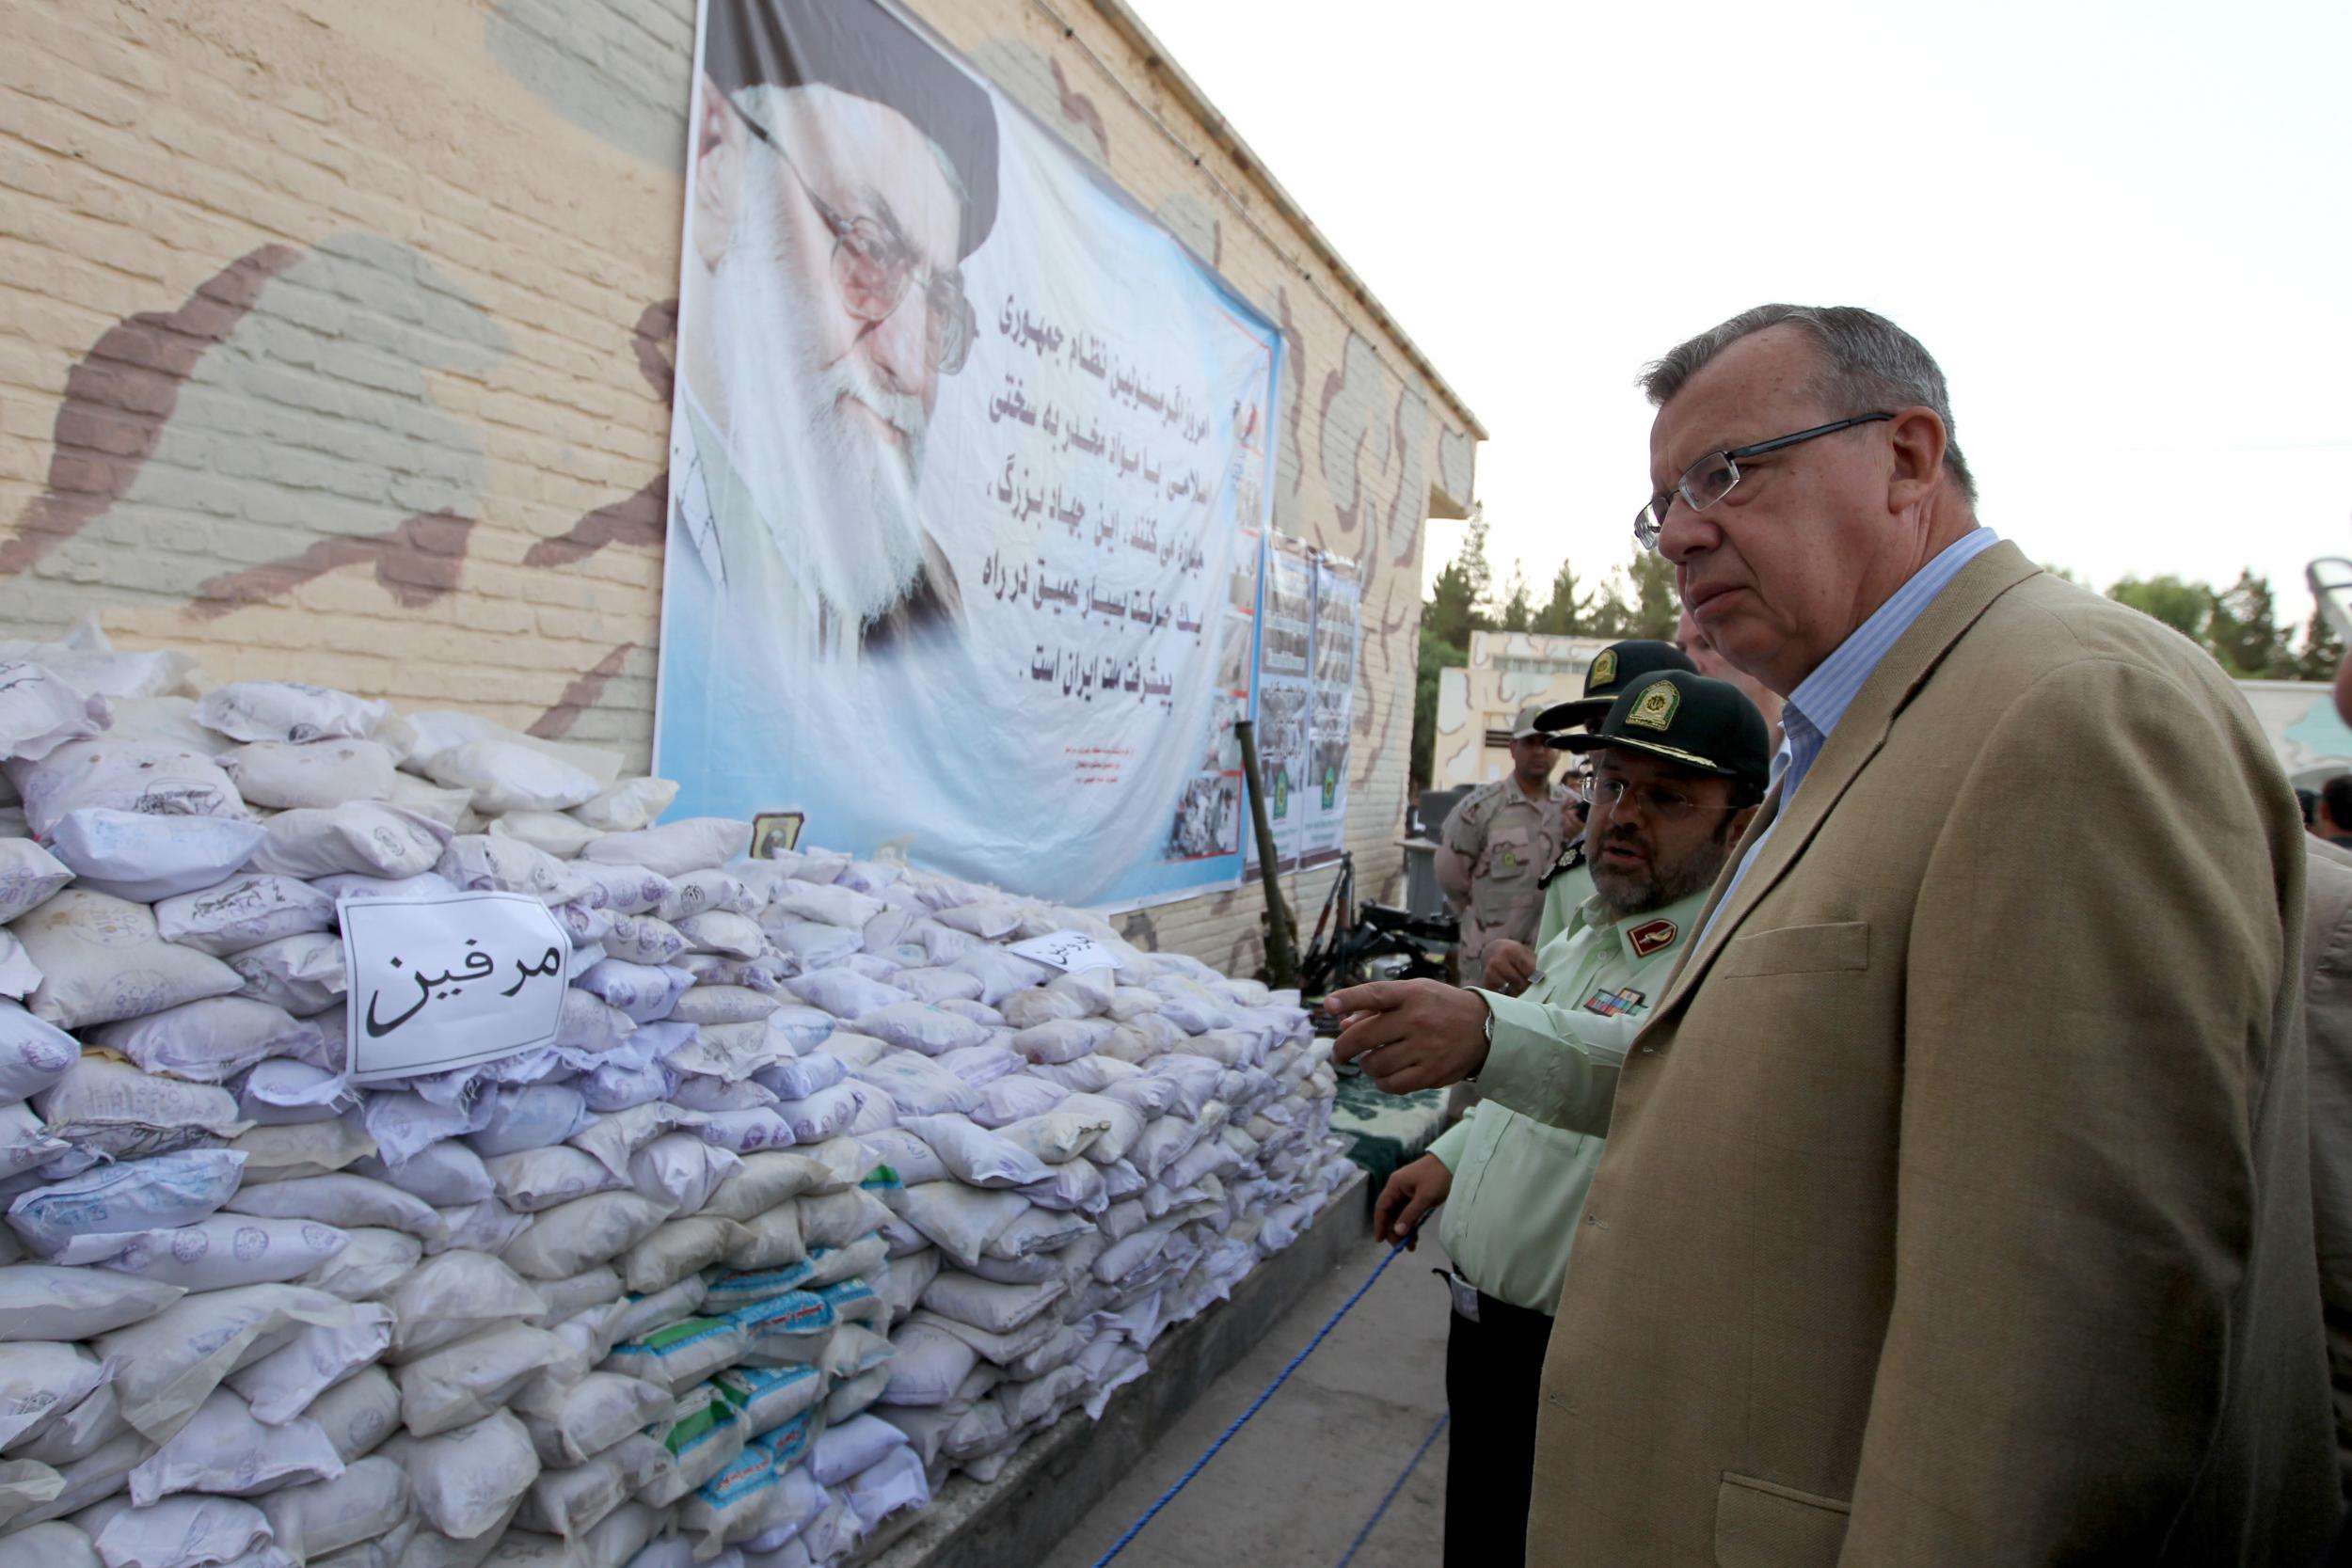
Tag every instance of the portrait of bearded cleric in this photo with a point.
(842, 170)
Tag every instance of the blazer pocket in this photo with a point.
(1762, 1525)
(1798, 950)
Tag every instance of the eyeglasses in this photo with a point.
(2330, 581)
(872, 265)
(1710, 479)
(1662, 802)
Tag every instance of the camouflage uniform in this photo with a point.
(1494, 846)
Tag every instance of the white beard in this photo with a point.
(837, 501)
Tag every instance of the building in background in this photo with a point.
(339, 345)
(1507, 671)
(2300, 719)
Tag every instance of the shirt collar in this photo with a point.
(1820, 701)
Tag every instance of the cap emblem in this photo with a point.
(1650, 936)
(1654, 710)
(1604, 670)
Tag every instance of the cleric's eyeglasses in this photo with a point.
(873, 263)
(2330, 581)
(1710, 479)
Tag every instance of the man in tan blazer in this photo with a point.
(2327, 1016)
(1956, 1206)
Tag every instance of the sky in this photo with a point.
(2123, 230)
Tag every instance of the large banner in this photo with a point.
(968, 474)
(1339, 632)
(1285, 694)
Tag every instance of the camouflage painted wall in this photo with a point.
(335, 341)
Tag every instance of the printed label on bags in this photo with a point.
(1069, 951)
(447, 982)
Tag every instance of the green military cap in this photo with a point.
(1707, 725)
(1614, 668)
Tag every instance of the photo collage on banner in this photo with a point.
(969, 475)
(1285, 694)
(1337, 631)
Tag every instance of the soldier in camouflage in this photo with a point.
(1498, 842)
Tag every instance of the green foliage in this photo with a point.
(1517, 614)
(2237, 624)
(1655, 605)
(1563, 614)
(1454, 611)
(2322, 650)
(2244, 631)
(1436, 655)
(2186, 606)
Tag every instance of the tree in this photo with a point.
(1517, 614)
(2243, 630)
(1565, 612)
(2322, 650)
(1657, 606)
(1454, 607)
(2186, 606)
(1436, 655)
(1606, 614)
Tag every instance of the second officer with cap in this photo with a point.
(1510, 965)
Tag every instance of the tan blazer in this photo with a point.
(1956, 1207)
(2328, 1029)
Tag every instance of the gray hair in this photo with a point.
(1866, 362)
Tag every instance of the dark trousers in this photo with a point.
(1493, 1372)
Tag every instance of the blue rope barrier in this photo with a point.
(1394, 1487)
(1181, 1482)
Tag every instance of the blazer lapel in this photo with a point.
(1856, 741)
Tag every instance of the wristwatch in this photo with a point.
(1486, 1029)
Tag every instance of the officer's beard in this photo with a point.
(837, 501)
(1659, 882)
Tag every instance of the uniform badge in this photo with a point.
(1604, 670)
(1609, 1004)
(1651, 935)
(1654, 710)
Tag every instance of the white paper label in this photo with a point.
(1070, 951)
(447, 982)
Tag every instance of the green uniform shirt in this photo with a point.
(1560, 898)
(1520, 1184)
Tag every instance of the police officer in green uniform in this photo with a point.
(1680, 765)
(1510, 965)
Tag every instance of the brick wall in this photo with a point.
(335, 341)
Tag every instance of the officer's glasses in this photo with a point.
(873, 266)
(1661, 802)
(1710, 479)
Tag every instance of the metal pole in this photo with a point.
(1282, 954)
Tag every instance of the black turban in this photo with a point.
(861, 49)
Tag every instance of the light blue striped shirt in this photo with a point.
(1813, 711)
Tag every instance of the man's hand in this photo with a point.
(1410, 1034)
(1412, 1191)
(1510, 966)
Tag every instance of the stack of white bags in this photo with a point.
(820, 1195)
